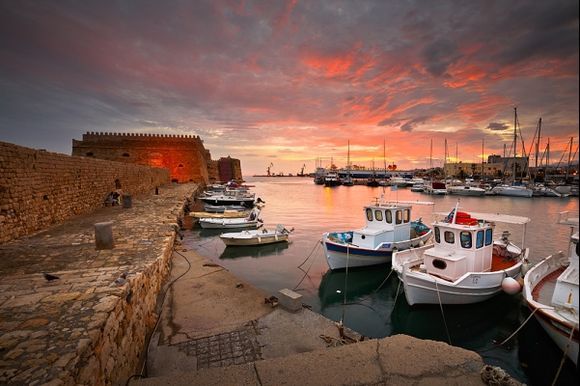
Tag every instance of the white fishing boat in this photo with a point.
(256, 237)
(388, 228)
(464, 265)
(551, 292)
(465, 190)
(436, 188)
(512, 190)
(230, 197)
(224, 208)
(251, 221)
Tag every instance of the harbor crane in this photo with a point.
(302, 170)
(268, 170)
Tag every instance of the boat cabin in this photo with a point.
(384, 224)
(566, 290)
(460, 247)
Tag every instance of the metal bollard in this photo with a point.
(127, 201)
(104, 235)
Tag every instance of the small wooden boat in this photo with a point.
(256, 237)
(388, 228)
(251, 221)
(464, 265)
(551, 292)
(225, 214)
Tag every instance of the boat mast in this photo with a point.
(384, 160)
(569, 160)
(482, 158)
(538, 143)
(515, 143)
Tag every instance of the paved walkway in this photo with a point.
(45, 324)
(217, 330)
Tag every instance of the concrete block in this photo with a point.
(290, 300)
(104, 235)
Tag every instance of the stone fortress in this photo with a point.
(184, 156)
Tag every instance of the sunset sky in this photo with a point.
(286, 82)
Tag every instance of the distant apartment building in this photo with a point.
(496, 166)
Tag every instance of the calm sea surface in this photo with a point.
(375, 305)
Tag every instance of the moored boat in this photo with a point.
(465, 190)
(512, 190)
(251, 221)
(464, 264)
(331, 179)
(551, 292)
(256, 237)
(388, 228)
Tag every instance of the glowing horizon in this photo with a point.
(289, 82)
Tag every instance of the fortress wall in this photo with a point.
(39, 189)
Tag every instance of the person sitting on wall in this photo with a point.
(111, 199)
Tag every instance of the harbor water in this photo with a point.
(371, 300)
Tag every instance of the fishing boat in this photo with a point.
(251, 221)
(551, 292)
(464, 264)
(388, 228)
(230, 197)
(256, 237)
(224, 208)
(466, 190)
(436, 188)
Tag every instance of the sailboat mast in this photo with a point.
(538, 143)
(431, 155)
(482, 158)
(515, 142)
(569, 160)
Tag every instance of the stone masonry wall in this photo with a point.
(39, 189)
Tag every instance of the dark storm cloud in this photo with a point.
(259, 71)
(497, 126)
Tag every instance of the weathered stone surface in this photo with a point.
(79, 329)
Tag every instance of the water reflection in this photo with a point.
(336, 286)
(235, 252)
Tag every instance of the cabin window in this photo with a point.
(398, 217)
(406, 215)
(479, 240)
(439, 264)
(369, 214)
(488, 236)
(437, 235)
(465, 238)
(389, 216)
(378, 215)
(449, 237)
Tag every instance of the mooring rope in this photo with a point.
(442, 313)
(308, 270)
(345, 284)
(564, 354)
(318, 242)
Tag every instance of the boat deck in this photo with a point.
(499, 263)
(544, 290)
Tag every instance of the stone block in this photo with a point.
(104, 235)
(290, 300)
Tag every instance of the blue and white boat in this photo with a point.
(388, 228)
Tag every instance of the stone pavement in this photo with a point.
(88, 326)
(217, 330)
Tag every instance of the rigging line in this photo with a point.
(564, 354)
(396, 297)
(384, 281)
(305, 274)
(442, 313)
(318, 242)
(345, 283)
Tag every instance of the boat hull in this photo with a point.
(212, 223)
(466, 192)
(248, 203)
(254, 241)
(513, 192)
(343, 255)
(557, 324)
(472, 288)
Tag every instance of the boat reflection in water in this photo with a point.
(359, 301)
(236, 252)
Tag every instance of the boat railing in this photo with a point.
(566, 218)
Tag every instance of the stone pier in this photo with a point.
(89, 326)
